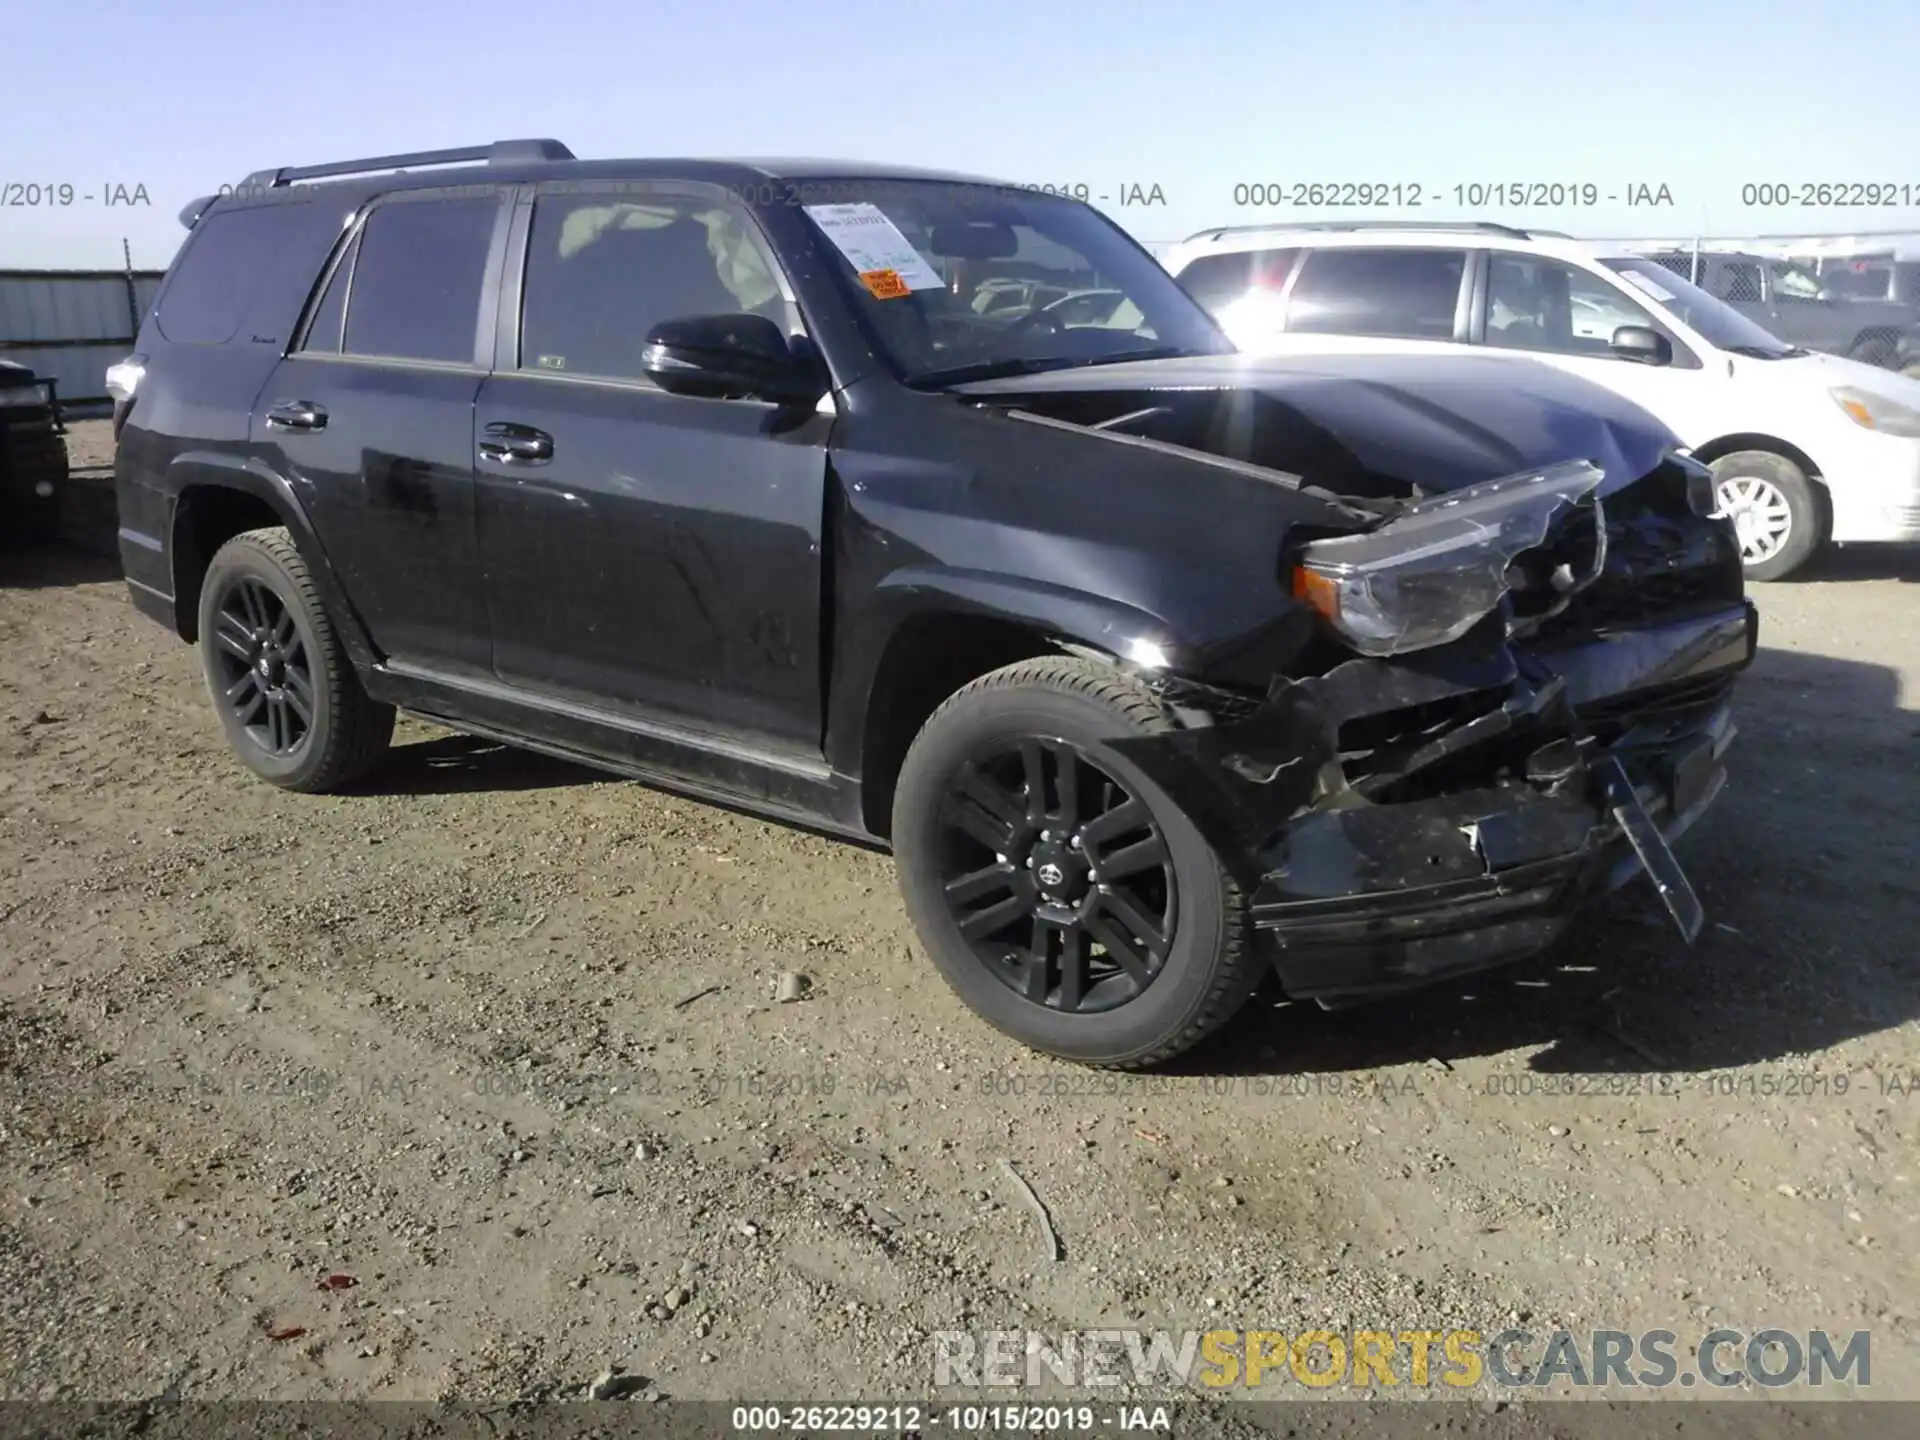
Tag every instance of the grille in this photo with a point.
(1663, 562)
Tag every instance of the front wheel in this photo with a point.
(1064, 896)
(1775, 509)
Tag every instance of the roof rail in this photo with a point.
(1485, 227)
(500, 152)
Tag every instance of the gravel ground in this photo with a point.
(495, 1041)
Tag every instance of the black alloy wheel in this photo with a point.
(265, 675)
(285, 690)
(1061, 891)
(1057, 876)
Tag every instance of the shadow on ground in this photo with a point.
(1858, 562)
(458, 764)
(49, 567)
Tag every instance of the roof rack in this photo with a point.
(1484, 227)
(500, 152)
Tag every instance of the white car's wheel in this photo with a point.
(1775, 511)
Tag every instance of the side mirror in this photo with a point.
(730, 357)
(1643, 344)
(1827, 296)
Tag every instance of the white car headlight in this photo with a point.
(1876, 412)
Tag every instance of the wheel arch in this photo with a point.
(943, 630)
(217, 497)
(1867, 335)
(1727, 445)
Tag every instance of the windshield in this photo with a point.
(961, 282)
(1718, 323)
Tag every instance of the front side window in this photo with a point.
(1717, 322)
(1404, 293)
(417, 280)
(958, 282)
(1534, 303)
(1795, 282)
(601, 272)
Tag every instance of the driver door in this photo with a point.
(1565, 316)
(653, 555)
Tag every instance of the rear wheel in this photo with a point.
(1776, 511)
(1062, 894)
(287, 696)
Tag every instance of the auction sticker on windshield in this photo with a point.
(885, 284)
(872, 242)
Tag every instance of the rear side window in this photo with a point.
(329, 316)
(1218, 280)
(226, 258)
(417, 280)
(1400, 293)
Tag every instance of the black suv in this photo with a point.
(33, 457)
(1793, 302)
(1153, 664)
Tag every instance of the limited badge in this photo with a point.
(885, 284)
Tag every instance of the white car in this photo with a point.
(1805, 448)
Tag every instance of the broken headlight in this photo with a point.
(1440, 566)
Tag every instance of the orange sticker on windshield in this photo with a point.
(884, 284)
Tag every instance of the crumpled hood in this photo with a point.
(1438, 423)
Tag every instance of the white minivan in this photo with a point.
(1806, 448)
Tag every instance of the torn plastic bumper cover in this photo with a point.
(1423, 812)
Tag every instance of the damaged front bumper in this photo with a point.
(1401, 820)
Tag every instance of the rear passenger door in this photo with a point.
(648, 555)
(371, 418)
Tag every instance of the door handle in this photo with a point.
(515, 444)
(297, 415)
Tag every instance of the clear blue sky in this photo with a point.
(1702, 96)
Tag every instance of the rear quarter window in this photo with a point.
(227, 258)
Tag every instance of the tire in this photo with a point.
(1071, 708)
(1876, 350)
(343, 734)
(1757, 485)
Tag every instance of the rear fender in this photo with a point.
(201, 470)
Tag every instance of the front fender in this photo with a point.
(891, 624)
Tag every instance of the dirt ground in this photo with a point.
(496, 1039)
